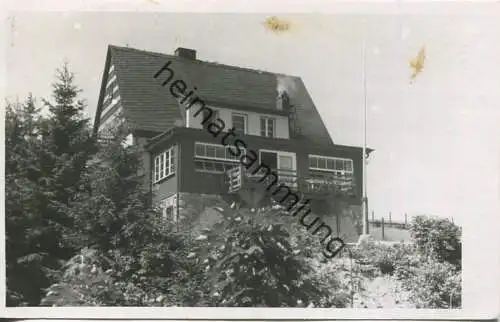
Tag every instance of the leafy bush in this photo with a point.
(92, 278)
(405, 266)
(336, 275)
(84, 282)
(438, 237)
(384, 257)
(250, 262)
(189, 284)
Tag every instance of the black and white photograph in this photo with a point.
(250, 160)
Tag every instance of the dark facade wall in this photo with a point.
(169, 185)
(164, 188)
(145, 156)
(196, 211)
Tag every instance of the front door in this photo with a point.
(269, 158)
(284, 163)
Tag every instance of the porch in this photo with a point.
(315, 184)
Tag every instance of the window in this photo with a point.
(330, 164)
(239, 123)
(267, 126)
(164, 165)
(214, 158)
(331, 171)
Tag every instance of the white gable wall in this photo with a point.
(252, 121)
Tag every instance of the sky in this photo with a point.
(436, 141)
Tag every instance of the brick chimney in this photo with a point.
(186, 53)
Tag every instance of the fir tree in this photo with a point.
(114, 211)
(114, 217)
(25, 260)
(45, 161)
(67, 145)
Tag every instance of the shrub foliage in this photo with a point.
(439, 238)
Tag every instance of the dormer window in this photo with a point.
(267, 126)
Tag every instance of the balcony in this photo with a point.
(315, 184)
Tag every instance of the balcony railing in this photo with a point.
(318, 183)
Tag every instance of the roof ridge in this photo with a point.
(198, 61)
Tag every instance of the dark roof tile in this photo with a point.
(150, 107)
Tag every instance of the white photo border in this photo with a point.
(481, 254)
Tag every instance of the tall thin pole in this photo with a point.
(365, 199)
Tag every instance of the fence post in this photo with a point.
(390, 219)
(406, 220)
(383, 228)
(373, 215)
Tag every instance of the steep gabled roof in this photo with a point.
(147, 106)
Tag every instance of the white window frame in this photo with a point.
(225, 158)
(164, 164)
(347, 174)
(205, 158)
(326, 169)
(268, 119)
(245, 121)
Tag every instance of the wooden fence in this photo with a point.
(389, 230)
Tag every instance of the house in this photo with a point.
(271, 113)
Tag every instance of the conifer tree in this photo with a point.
(45, 160)
(114, 217)
(25, 259)
(114, 211)
(250, 261)
(67, 144)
